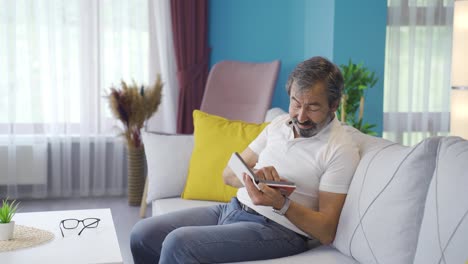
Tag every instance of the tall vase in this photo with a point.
(136, 177)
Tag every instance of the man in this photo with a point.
(309, 147)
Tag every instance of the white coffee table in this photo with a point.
(94, 245)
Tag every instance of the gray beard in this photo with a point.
(314, 130)
(306, 133)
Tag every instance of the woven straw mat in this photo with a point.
(24, 237)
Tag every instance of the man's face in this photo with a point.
(309, 110)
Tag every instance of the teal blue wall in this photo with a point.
(266, 30)
(359, 34)
(294, 30)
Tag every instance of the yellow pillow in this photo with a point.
(215, 139)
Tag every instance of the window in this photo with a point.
(59, 58)
(417, 69)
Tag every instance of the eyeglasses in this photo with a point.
(73, 223)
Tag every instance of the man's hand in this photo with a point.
(265, 196)
(230, 177)
(320, 224)
(268, 173)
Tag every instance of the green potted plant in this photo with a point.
(357, 79)
(7, 211)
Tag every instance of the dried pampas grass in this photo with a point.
(133, 105)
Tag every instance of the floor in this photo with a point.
(124, 216)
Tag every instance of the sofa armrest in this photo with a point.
(168, 158)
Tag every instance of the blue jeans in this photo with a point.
(215, 234)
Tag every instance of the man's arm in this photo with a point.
(321, 224)
(230, 177)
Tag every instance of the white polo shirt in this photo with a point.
(324, 162)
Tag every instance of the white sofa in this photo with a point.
(405, 204)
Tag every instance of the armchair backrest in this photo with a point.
(240, 90)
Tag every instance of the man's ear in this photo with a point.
(334, 106)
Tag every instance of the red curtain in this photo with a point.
(190, 31)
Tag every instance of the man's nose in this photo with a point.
(302, 116)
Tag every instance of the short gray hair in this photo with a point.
(316, 70)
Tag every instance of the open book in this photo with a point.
(238, 165)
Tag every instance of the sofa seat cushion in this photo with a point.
(322, 254)
(383, 211)
(164, 206)
(443, 237)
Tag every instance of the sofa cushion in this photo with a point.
(167, 157)
(322, 254)
(216, 138)
(444, 231)
(365, 142)
(164, 206)
(382, 214)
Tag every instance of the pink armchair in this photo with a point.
(240, 90)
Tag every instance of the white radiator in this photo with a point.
(30, 164)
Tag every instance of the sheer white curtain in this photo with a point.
(58, 59)
(162, 48)
(417, 69)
